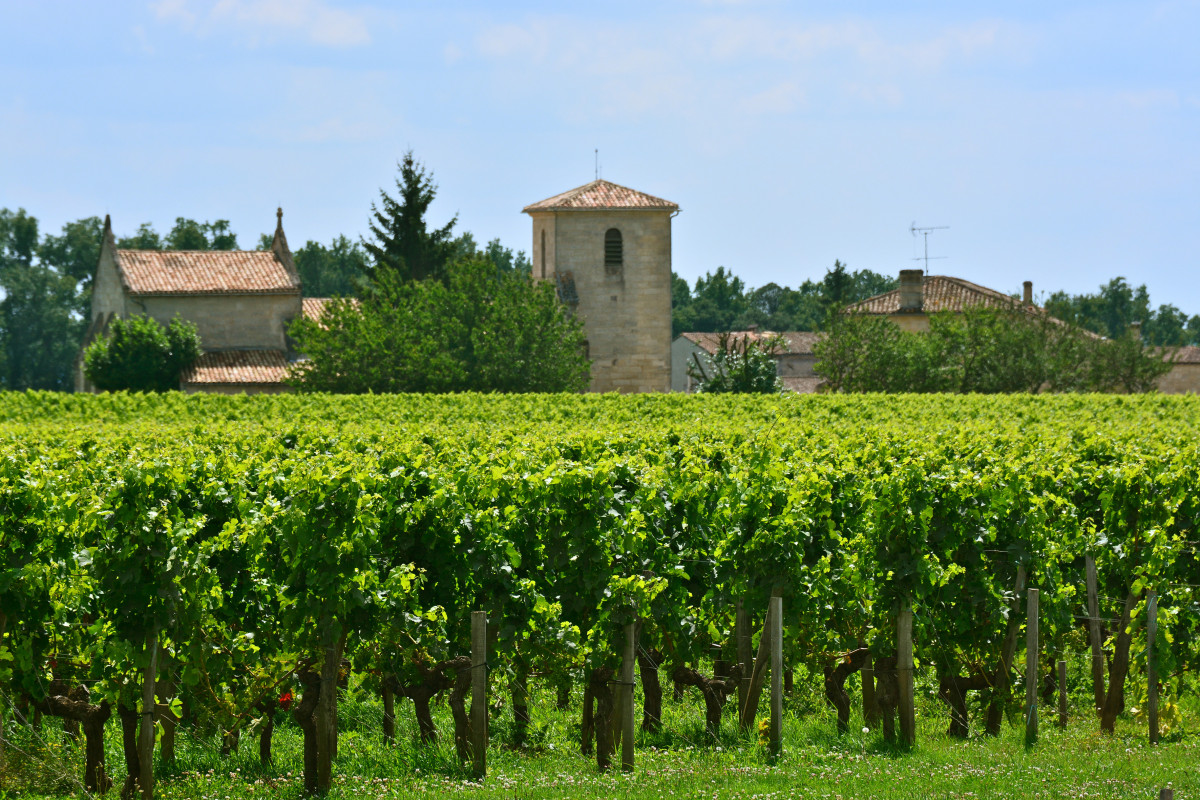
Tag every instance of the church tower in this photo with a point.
(608, 250)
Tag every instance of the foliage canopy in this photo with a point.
(140, 355)
(480, 330)
(984, 351)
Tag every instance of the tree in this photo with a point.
(401, 241)
(502, 257)
(339, 270)
(740, 365)
(191, 235)
(982, 350)
(40, 319)
(146, 238)
(717, 303)
(1117, 305)
(479, 330)
(867, 353)
(140, 355)
(721, 301)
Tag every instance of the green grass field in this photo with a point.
(679, 762)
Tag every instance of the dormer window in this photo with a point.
(614, 252)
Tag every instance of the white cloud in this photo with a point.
(257, 21)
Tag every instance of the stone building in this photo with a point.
(794, 359)
(240, 301)
(1184, 376)
(608, 250)
(920, 295)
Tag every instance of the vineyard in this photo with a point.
(203, 562)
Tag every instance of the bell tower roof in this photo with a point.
(602, 195)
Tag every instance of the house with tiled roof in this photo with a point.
(241, 302)
(794, 357)
(920, 295)
(607, 250)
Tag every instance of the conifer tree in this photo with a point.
(401, 242)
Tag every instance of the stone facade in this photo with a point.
(1184, 376)
(241, 302)
(230, 322)
(625, 307)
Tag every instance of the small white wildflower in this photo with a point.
(866, 730)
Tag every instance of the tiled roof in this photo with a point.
(1187, 355)
(939, 293)
(153, 272)
(601, 194)
(314, 307)
(796, 342)
(238, 366)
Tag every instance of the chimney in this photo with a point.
(911, 289)
(1028, 298)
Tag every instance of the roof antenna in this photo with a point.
(914, 230)
(597, 163)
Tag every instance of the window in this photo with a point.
(614, 252)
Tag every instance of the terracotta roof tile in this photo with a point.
(796, 342)
(152, 272)
(601, 194)
(940, 293)
(238, 366)
(1187, 355)
(314, 307)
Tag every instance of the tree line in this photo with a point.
(46, 286)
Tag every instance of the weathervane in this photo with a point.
(914, 230)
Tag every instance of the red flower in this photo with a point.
(285, 700)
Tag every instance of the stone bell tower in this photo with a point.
(608, 250)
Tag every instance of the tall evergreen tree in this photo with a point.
(402, 243)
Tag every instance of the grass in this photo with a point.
(682, 761)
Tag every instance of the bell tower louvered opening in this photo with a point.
(614, 252)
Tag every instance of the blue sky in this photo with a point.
(1059, 141)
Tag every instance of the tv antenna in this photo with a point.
(597, 163)
(914, 230)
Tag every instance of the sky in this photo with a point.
(1059, 142)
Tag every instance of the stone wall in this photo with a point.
(227, 322)
(626, 313)
(796, 365)
(911, 321)
(1181, 379)
(108, 296)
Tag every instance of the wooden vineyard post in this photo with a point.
(870, 709)
(1152, 665)
(479, 707)
(1093, 605)
(149, 708)
(1062, 694)
(745, 652)
(904, 673)
(776, 729)
(1031, 667)
(628, 659)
